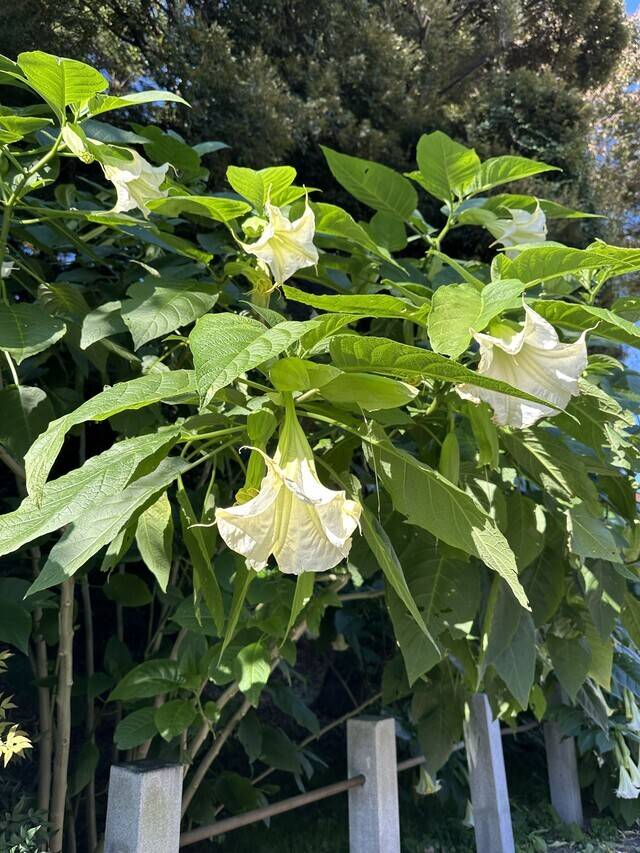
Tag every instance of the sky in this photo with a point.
(632, 5)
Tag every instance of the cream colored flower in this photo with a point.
(307, 527)
(532, 360)
(6, 269)
(136, 181)
(285, 246)
(626, 789)
(523, 227)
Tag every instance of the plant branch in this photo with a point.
(90, 793)
(63, 716)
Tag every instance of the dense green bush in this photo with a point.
(181, 411)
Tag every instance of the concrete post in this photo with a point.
(562, 768)
(487, 779)
(143, 810)
(374, 822)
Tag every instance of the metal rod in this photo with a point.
(202, 833)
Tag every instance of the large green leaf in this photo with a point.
(15, 625)
(335, 222)
(66, 498)
(525, 528)
(225, 346)
(253, 668)
(135, 394)
(447, 168)
(542, 263)
(102, 322)
(105, 103)
(210, 207)
(61, 82)
(27, 329)
(135, 728)
(430, 501)
(148, 679)
(155, 307)
(516, 664)
(579, 318)
(26, 411)
(381, 355)
(154, 537)
(604, 592)
(371, 183)
(589, 536)
(173, 717)
(98, 526)
(571, 659)
(257, 187)
(388, 561)
(547, 460)
(544, 582)
(364, 305)
(501, 170)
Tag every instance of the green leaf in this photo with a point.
(430, 501)
(249, 184)
(26, 412)
(580, 318)
(542, 263)
(381, 355)
(298, 374)
(148, 679)
(205, 582)
(364, 391)
(485, 434)
(15, 625)
(571, 659)
(97, 527)
(253, 668)
(589, 536)
(365, 305)
(225, 346)
(135, 394)
(419, 652)
(209, 207)
(372, 184)
(453, 311)
(544, 584)
(459, 309)
(65, 499)
(102, 322)
(439, 724)
(551, 209)
(604, 592)
(156, 307)
(241, 581)
(154, 537)
(631, 617)
(288, 702)
(61, 82)
(173, 717)
(333, 221)
(525, 528)
(27, 329)
(135, 728)
(447, 168)
(104, 103)
(128, 590)
(301, 597)
(15, 128)
(516, 663)
(386, 557)
(502, 170)
(85, 767)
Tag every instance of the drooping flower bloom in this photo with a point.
(136, 181)
(626, 789)
(523, 227)
(532, 360)
(306, 526)
(285, 246)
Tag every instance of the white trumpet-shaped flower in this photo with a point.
(285, 246)
(523, 227)
(306, 526)
(532, 360)
(626, 789)
(136, 181)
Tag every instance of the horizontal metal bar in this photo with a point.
(202, 833)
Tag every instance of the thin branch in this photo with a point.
(201, 771)
(92, 827)
(15, 467)
(63, 717)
